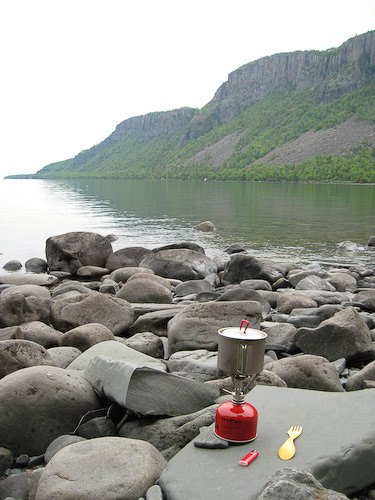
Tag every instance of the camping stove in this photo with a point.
(240, 354)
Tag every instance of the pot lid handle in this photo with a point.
(244, 321)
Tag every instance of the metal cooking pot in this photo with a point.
(241, 350)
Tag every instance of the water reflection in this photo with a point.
(300, 222)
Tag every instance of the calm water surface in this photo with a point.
(295, 222)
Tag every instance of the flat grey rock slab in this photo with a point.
(337, 446)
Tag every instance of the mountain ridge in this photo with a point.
(263, 105)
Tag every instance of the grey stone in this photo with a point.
(367, 299)
(122, 274)
(97, 427)
(63, 356)
(348, 246)
(243, 267)
(29, 279)
(91, 271)
(6, 460)
(59, 443)
(152, 277)
(199, 364)
(344, 335)
(304, 320)
(40, 403)
(235, 248)
(148, 343)
(85, 336)
(126, 257)
(155, 321)
(109, 286)
(39, 332)
(36, 265)
(289, 483)
(193, 286)
(338, 459)
(107, 467)
(116, 350)
(287, 302)
(314, 282)
(27, 291)
(205, 227)
(10, 332)
(280, 333)
(356, 381)
(296, 275)
(16, 354)
(145, 290)
(196, 326)
(154, 493)
(16, 486)
(180, 263)
(307, 372)
(208, 439)
(116, 314)
(256, 284)
(322, 296)
(146, 390)
(343, 281)
(169, 435)
(70, 251)
(12, 265)
(16, 309)
(239, 294)
(69, 286)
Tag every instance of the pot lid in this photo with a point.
(243, 332)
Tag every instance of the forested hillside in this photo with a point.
(301, 116)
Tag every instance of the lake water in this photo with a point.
(281, 221)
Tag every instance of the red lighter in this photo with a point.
(249, 458)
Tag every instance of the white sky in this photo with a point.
(71, 70)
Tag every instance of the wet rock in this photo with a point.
(289, 483)
(36, 265)
(114, 313)
(144, 290)
(196, 326)
(307, 372)
(146, 390)
(205, 227)
(126, 257)
(244, 267)
(345, 335)
(147, 343)
(12, 265)
(108, 467)
(17, 354)
(169, 435)
(85, 336)
(70, 251)
(348, 246)
(40, 403)
(39, 332)
(183, 264)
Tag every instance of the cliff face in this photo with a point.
(334, 73)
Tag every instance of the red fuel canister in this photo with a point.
(236, 422)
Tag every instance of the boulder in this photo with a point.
(145, 290)
(147, 343)
(122, 274)
(314, 282)
(205, 227)
(15, 486)
(169, 435)
(297, 275)
(16, 309)
(114, 313)
(357, 381)
(243, 267)
(199, 364)
(69, 286)
(307, 372)
(344, 335)
(106, 467)
(10, 332)
(70, 251)
(343, 281)
(63, 356)
(371, 241)
(240, 294)
(366, 298)
(287, 302)
(192, 287)
(85, 336)
(27, 291)
(39, 332)
(256, 284)
(348, 246)
(40, 403)
(196, 326)
(280, 333)
(235, 248)
(321, 297)
(155, 322)
(59, 443)
(116, 350)
(181, 263)
(152, 277)
(6, 460)
(12, 265)
(17, 354)
(126, 257)
(183, 244)
(288, 483)
(29, 279)
(145, 390)
(36, 265)
(91, 271)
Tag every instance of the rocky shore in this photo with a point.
(108, 364)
